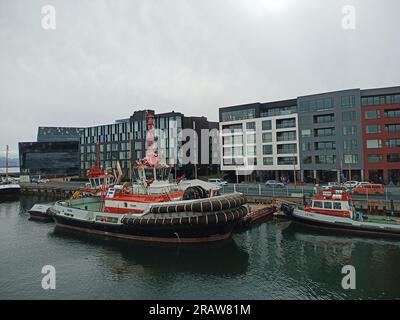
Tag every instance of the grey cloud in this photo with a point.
(107, 58)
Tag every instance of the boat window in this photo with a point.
(337, 206)
(328, 205)
(126, 205)
(317, 204)
(149, 173)
(160, 173)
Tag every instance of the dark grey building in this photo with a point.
(55, 154)
(125, 141)
(331, 136)
(49, 159)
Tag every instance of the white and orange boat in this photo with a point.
(155, 209)
(333, 209)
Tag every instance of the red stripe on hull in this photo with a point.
(147, 198)
(336, 213)
(123, 210)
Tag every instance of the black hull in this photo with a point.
(10, 192)
(344, 229)
(161, 233)
(37, 215)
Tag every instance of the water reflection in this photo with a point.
(124, 257)
(324, 254)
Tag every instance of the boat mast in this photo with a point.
(7, 163)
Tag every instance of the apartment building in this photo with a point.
(334, 136)
(260, 141)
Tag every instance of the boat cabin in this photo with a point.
(332, 202)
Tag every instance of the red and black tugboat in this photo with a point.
(154, 209)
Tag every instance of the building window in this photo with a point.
(373, 128)
(285, 123)
(394, 157)
(306, 133)
(325, 159)
(380, 100)
(374, 144)
(350, 144)
(251, 138)
(279, 111)
(236, 140)
(348, 101)
(251, 151)
(349, 116)
(250, 126)
(267, 137)
(372, 114)
(267, 149)
(325, 132)
(268, 161)
(266, 125)
(392, 128)
(238, 115)
(350, 158)
(307, 160)
(252, 161)
(287, 161)
(393, 143)
(349, 130)
(329, 145)
(306, 146)
(324, 118)
(375, 158)
(286, 136)
(316, 105)
(233, 161)
(233, 128)
(394, 113)
(287, 148)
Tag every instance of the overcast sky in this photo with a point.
(106, 59)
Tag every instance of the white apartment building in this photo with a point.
(260, 141)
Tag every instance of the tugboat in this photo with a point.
(153, 209)
(99, 180)
(7, 187)
(333, 209)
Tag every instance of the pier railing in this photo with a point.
(389, 202)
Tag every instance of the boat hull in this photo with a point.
(167, 233)
(345, 225)
(9, 190)
(40, 212)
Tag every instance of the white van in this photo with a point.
(219, 182)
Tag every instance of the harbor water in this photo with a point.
(274, 260)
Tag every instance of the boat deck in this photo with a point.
(90, 206)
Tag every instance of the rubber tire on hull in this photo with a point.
(202, 205)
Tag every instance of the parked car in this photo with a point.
(43, 180)
(274, 184)
(335, 187)
(351, 184)
(219, 182)
(333, 184)
(370, 188)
